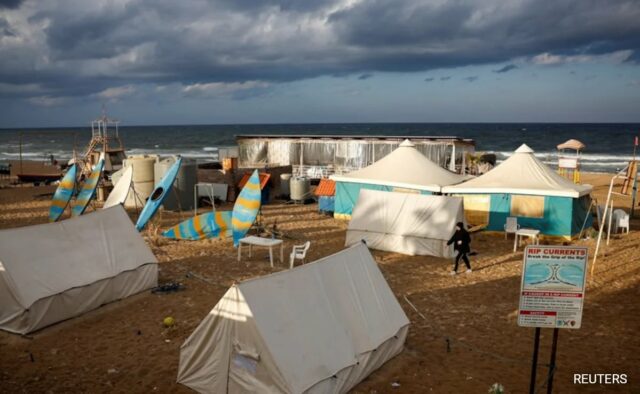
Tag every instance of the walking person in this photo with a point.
(461, 240)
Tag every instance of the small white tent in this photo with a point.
(318, 328)
(56, 271)
(411, 224)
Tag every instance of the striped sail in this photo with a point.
(88, 190)
(246, 208)
(206, 225)
(63, 194)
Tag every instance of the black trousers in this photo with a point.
(464, 258)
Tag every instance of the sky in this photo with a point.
(155, 62)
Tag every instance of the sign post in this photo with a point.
(551, 295)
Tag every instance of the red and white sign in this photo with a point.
(552, 289)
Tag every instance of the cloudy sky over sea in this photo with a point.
(275, 61)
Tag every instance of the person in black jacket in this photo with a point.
(461, 240)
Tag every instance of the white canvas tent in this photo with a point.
(405, 167)
(318, 328)
(411, 224)
(52, 272)
(524, 187)
(522, 173)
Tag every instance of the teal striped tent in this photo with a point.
(403, 170)
(525, 188)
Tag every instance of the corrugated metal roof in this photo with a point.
(264, 179)
(326, 187)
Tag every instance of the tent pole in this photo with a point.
(584, 223)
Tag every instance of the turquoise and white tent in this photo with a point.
(403, 170)
(524, 187)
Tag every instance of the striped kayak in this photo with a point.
(206, 225)
(246, 208)
(158, 195)
(88, 190)
(63, 194)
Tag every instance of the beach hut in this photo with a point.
(56, 271)
(410, 224)
(403, 170)
(525, 188)
(318, 328)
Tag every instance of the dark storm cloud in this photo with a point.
(10, 3)
(365, 76)
(78, 48)
(5, 28)
(505, 69)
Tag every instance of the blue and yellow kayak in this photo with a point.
(158, 195)
(63, 194)
(246, 208)
(88, 190)
(206, 225)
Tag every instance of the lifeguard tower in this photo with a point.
(569, 159)
(105, 138)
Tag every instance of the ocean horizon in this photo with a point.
(609, 146)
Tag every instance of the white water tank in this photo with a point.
(143, 179)
(285, 180)
(180, 197)
(300, 188)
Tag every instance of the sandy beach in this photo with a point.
(467, 340)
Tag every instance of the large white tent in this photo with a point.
(405, 169)
(55, 271)
(525, 188)
(521, 173)
(318, 328)
(411, 224)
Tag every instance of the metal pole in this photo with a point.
(634, 190)
(534, 361)
(606, 205)
(609, 225)
(21, 171)
(552, 362)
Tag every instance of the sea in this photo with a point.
(608, 146)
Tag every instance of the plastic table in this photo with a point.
(263, 242)
(525, 232)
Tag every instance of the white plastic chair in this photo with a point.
(511, 226)
(299, 252)
(622, 221)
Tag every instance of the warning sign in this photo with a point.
(552, 290)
